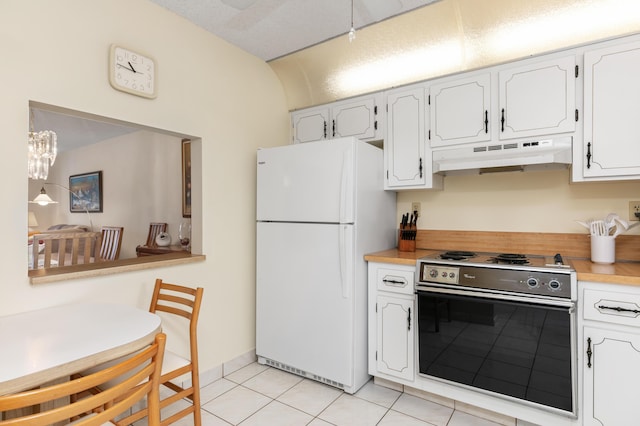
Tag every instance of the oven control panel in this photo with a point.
(439, 274)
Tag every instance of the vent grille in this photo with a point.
(303, 373)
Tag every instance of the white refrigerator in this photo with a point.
(320, 208)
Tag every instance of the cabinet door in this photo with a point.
(460, 111)
(357, 118)
(394, 351)
(537, 99)
(611, 105)
(310, 125)
(611, 377)
(405, 144)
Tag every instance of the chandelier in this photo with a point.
(43, 147)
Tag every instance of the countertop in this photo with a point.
(617, 273)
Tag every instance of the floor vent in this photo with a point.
(303, 373)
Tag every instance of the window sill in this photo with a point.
(49, 275)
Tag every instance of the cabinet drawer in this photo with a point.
(396, 281)
(612, 307)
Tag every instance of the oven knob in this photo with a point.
(444, 274)
(433, 273)
(554, 285)
(452, 274)
(532, 282)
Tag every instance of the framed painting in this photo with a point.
(186, 178)
(86, 192)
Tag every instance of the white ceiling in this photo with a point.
(273, 28)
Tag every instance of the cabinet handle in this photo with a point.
(589, 352)
(486, 121)
(325, 129)
(619, 309)
(333, 125)
(420, 167)
(409, 320)
(396, 283)
(502, 120)
(589, 155)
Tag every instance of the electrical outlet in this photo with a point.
(415, 207)
(634, 208)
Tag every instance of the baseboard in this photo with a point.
(219, 371)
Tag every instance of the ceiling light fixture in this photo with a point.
(43, 148)
(352, 31)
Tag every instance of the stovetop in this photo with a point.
(546, 276)
(499, 260)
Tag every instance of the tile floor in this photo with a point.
(258, 395)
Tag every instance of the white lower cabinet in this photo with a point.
(611, 354)
(391, 321)
(394, 349)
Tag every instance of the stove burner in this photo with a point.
(511, 259)
(457, 255)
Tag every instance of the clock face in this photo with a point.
(132, 72)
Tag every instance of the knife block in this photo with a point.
(407, 239)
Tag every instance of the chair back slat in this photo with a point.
(111, 242)
(155, 228)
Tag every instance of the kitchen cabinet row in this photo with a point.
(606, 334)
(589, 93)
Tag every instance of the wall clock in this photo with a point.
(132, 72)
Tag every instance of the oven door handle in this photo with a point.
(560, 304)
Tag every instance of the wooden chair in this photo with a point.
(155, 228)
(183, 302)
(64, 248)
(111, 242)
(136, 377)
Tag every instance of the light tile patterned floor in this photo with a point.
(257, 395)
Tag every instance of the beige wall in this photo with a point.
(55, 52)
(141, 180)
(534, 201)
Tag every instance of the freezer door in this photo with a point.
(305, 298)
(310, 182)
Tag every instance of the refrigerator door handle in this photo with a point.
(346, 259)
(346, 188)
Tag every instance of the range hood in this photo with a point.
(507, 156)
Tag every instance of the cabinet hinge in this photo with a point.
(375, 125)
(429, 100)
(375, 110)
(376, 355)
(577, 115)
(387, 179)
(429, 134)
(577, 73)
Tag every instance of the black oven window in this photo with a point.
(515, 349)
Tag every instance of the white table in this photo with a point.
(39, 346)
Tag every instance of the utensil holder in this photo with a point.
(407, 239)
(603, 249)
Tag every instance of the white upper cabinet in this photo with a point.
(356, 117)
(460, 110)
(611, 146)
(310, 125)
(408, 158)
(537, 99)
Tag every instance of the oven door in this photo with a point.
(512, 346)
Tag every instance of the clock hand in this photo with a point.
(126, 68)
(132, 69)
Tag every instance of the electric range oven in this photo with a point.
(502, 324)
